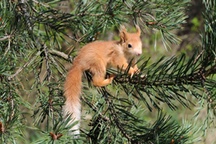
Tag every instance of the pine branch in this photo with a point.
(168, 79)
(135, 130)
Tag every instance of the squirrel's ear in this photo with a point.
(138, 30)
(123, 33)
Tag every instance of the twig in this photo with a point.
(46, 53)
(148, 14)
(8, 48)
(198, 56)
(12, 109)
(5, 37)
(61, 54)
(47, 6)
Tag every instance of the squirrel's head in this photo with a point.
(131, 42)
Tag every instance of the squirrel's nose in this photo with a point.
(138, 54)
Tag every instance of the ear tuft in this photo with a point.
(122, 28)
(138, 30)
(123, 33)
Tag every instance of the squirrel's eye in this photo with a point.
(129, 46)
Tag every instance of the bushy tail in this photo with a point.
(72, 91)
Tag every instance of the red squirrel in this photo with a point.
(96, 57)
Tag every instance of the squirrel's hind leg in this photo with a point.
(99, 72)
(100, 81)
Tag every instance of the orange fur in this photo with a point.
(96, 57)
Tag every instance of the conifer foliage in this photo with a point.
(39, 38)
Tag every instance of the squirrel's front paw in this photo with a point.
(136, 69)
(131, 72)
(111, 77)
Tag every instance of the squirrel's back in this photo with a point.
(97, 51)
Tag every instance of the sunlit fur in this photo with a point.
(96, 57)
